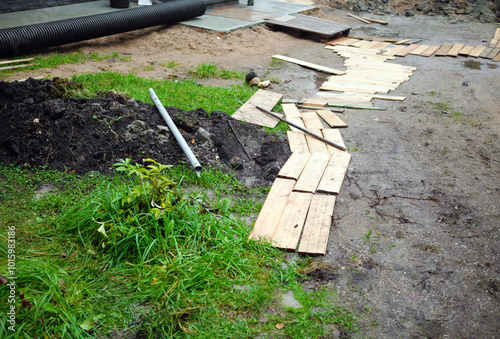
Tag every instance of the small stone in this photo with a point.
(202, 135)
(162, 130)
(264, 84)
(254, 82)
(136, 127)
(250, 76)
(235, 163)
(400, 234)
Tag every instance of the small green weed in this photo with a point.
(213, 71)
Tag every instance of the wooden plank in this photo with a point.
(333, 134)
(312, 173)
(404, 52)
(466, 50)
(485, 52)
(15, 67)
(297, 142)
(7, 62)
(419, 49)
(498, 44)
(331, 118)
(371, 44)
(347, 42)
(453, 52)
(377, 66)
(493, 43)
(443, 50)
(430, 51)
(308, 64)
(298, 122)
(497, 34)
(294, 165)
(497, 58)
(354, 50)
(400, 42)
(392, 51)
(338, 86)
(271, 211)
(477, 51)
(493, 53)
(359, 18)
(335, 171)
(290, 227)
(380, 45)
(291, 111)
(307, 23)
(337, 41)
(317, 227)
(249, 113)
(360, 43)
(315, 145)
(388, 97)
(311, 120)
(379, 39)
(375, 20)
(348, 97)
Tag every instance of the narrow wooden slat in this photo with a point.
(359, 18)
(419, 49)
(485, 52)
(290, 227)
(477, 51)
(331, 96)
(298, 122)
(338, 86)
(308, 64)
(497, 34)
(249, 113)
(498, 44)
(337, 41)
(294, 165)
(466, 50)
(347, 42)
(315, 145)
(332, 179)
(392, 51)
(380, 45)
(15, 67)
(333, 134)
(388, 97)
(331, 118)
(360, 43)
(493, 43)
(312, 173)
(430, 51)
(371, 44)
(312, 120)
(453, 52)
(271, 211)
(400, 42)
(7, 62)
(317, 227)
(339, 48)
(497, 58)
(443, 50)
(290, 110)
(404, 52)
(297, 142)
(493, 53)
(375, 20)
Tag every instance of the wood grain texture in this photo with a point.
(311, 120)
(297, 121)
(404, 52)
(249, 113)
(392, 51)
(453, 52)
(297, 142)
(315, 145)
(312, 173)
(477, 51)
(335, 171)
(466, 50)
(430, 51)
(333, 134)
(485, 52)
(493, 53)
(291, 111)
(309, 64)
(443, 50)
(294, 165)
(331, 118)
(419, 49)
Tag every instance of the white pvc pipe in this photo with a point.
(177, 135)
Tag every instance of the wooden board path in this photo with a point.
(335, 171)
(443, 50)
(331, 118)
(316, 145)
(485, 52)
(249, 113)
(466, 50)
(430, 51)
(312, 173)
(405, 51)
(419, 49)
(309, 65)
(317, 227)
(312, 120)
(453, 52)
(477, 51)
(290, 110)
(294, 165)
(333, 134)
(272, 209)
(297, 141)
(297, 121)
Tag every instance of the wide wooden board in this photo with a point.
(430, 51)
(466, 50)
(249, 113)
(331, 118)
(392, 51)
(333, 134)
(453, 52)
(316, 145)
(290, 227)
(294, 165)
(477, 51)
(443, 50)
(290, 110)
(497, 58)
(338, 86)
(380, 45)
(309, 65)
(312, 173)
(337, 41)
(273, 207)
(404, 52)
(335, 171)
(485, 52)
(493, 53)
(317, 227)
(297, 142)
(419, 49)
(297, 121)
(312, 120)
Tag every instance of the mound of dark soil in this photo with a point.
(41, 127)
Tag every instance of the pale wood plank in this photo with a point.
(371, 44)
(497, 34)
(497, 58)
(477, 51)
(359, 18)
(404, 52)
(466, 50)
(353, 50)
(291, 111)
(430, 51)
(392, 51)
(380, 45)
(419, 49)
(400, 42)
(312, 173)
(7, 62)
(297, 121)
(388, 97)
(294, 165)
(335, 171)
(297, 142)
(375, 21)
(271, 211)
(493, 53)
(493, 43)
(337, 41)
(338, 86)
(361, 43)
(453, 52)
(333, 134)
(317, 227)
(443, 50)
(290, 227)
(315, 145)
(485, 52)
(249, 113)
(311, 120)
(308, 64)
(331, 118)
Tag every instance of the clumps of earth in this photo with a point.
(42, 126)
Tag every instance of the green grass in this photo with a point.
(172, 274)
(213, 71)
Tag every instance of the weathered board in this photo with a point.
(312, 173)
(316, 145)
(317, 227)
(271, 211)
(294, 165)
(249, 113)
(312, 120)
(466, 50)
(493, 53)
(419, 49)
(311, 24)
(309, 65)
(331, 118)
(297, 142)
(443, 50)
(485, 52)
(297, 121)
(338, 86)
(477, 51)
(338, 41)
(392, 51)
(335, 171)
(453, 52)
(404, 52)
(290, 110)
(430, 51)
(333, 134)
(289, 228)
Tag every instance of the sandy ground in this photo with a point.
(415, 243)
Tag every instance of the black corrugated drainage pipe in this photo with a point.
(28, 38)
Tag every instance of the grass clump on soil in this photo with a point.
(153, 251)
(213, 71)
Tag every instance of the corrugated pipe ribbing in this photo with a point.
(28, 38)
